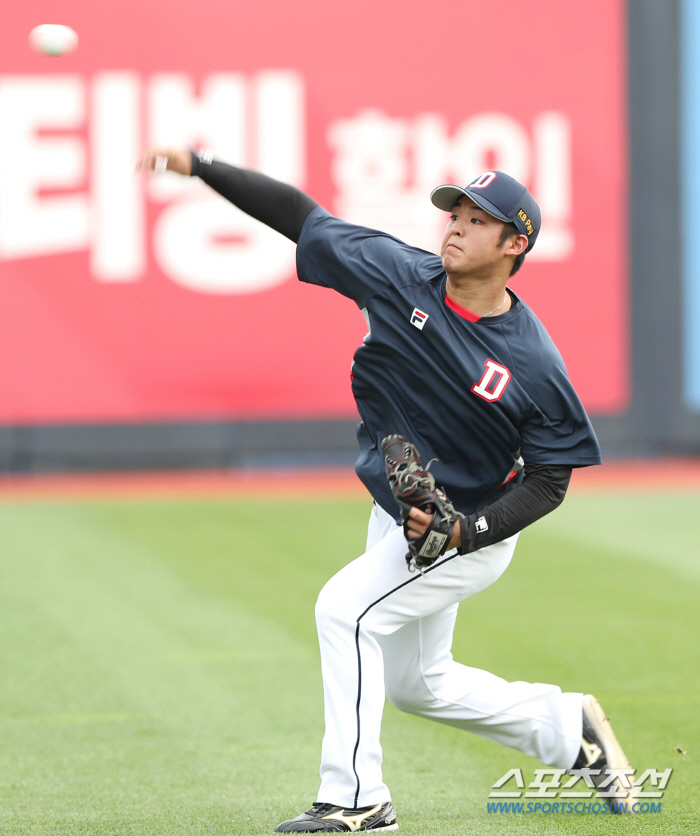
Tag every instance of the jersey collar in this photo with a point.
(472, 317)
(458, 309)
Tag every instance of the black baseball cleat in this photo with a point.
(330, 818)
(601, 752)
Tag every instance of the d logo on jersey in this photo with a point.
(493, 382)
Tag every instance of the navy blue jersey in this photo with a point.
(475, 393)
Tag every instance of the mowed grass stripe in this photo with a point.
(126, 693)
(160, 672)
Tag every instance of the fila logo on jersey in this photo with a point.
(493, 382)
(418, 318)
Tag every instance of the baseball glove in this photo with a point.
(413, 486)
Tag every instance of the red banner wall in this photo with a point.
(124, 298)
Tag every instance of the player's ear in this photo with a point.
(517, 244)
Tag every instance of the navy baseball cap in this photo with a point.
(501, 196)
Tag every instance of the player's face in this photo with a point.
(470, 245)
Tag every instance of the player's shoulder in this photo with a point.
(321, 222)
(405, 263)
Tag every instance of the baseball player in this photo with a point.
(456, 369)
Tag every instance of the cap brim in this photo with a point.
(445, 197)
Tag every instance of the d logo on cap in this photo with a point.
(484, 180)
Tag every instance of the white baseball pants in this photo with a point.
(384, 631)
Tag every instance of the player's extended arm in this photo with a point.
(278, 205)
(541, 491)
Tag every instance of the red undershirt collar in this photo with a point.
(458, 309)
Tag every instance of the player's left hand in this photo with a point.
(431, 532)
(418, 522)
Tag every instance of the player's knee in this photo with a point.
(321, 609)
(329, 604)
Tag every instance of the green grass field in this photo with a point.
(159, 671)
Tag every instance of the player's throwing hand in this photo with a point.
(166, 159)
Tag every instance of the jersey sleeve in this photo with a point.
(557, 430)
(354, 260)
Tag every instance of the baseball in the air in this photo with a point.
(53, 39)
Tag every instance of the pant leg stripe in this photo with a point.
(359, 662)
(357, 711)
